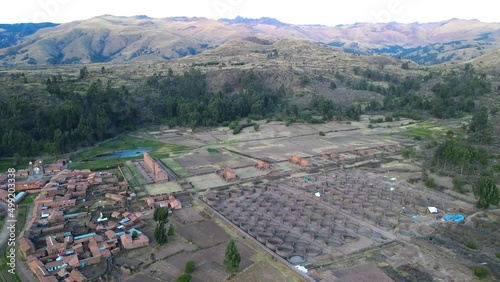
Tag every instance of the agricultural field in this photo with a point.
(92, 158)
(163, 188)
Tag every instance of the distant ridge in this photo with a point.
(120, 39)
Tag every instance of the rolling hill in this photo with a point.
(121, 39)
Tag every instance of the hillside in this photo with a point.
(121, 39)
(13, 34)
(73, 106)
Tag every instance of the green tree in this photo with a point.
(232, 258)
(189, 267)
(487, 192)
(184, 277)
(256, 127)
(333, 86)
(480, 128)
(83, 73)
(481, 271)
(430, 182)
(134, 234)
(171, 230)
(160, 214)
(159, 233)
(321, 133)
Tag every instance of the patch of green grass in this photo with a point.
(481, 271)
(137, 176)
(129, 177)
(99, 164)
(423, 130)
(176, 167)
(159, 150)
(213, 151)
(430, 182)
(471, 245)
(6, 163)
(29, 199)
(497, 255)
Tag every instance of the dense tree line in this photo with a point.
(73, 113)
(70, 113)
(464, 157)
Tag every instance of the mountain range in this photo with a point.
(122, 39)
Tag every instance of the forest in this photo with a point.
(71, 113)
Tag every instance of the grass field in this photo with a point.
(159, 150)
(6, 163)
(169, 188)
(176, 167)
(29, 199)
(213, 151)
(422, 130)
(135, 174)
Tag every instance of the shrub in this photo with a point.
(430, 182)
(237, 130)
(481, 271)
(171, 230)
(389, 119)
(233, 124)
(471, 245)
(185, 277)
(458, 185)
(409, 152)
(321, 133)
(370, 125)
(189, 267)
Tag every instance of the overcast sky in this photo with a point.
(296, 12)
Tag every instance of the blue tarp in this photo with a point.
(454, 217)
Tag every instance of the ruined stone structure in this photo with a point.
(300, 161)
(228, 174)
(262, 165)
(155, 169)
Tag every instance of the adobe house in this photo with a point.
(129, 243)
(300, 161)
(262, 165)
(228, 174)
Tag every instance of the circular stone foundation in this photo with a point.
(385, 224)
(284, 250)
(264, 236)
(296, 259)
(245, 226)
(273, 243)
(280, 231)
(363, 231)
(350, 238)
(253, 231)
(331, 242)
(289, 238)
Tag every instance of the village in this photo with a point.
(303, 203)
(81, 219)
